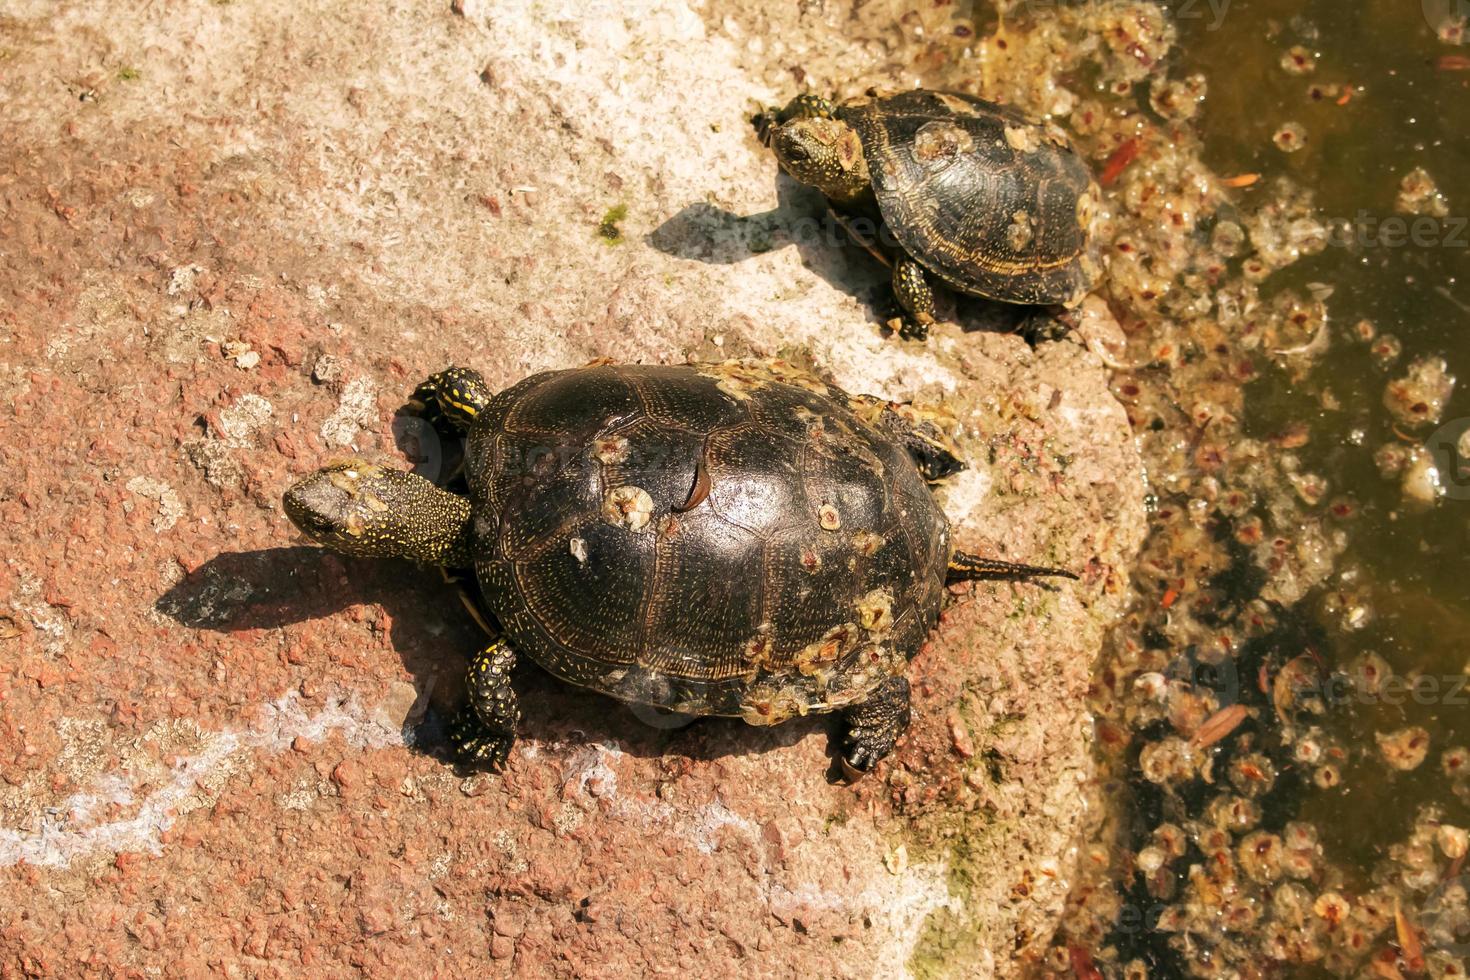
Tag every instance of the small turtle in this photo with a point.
(993, 203)
(737, 539)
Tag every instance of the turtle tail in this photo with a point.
(964, 567)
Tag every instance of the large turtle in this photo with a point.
(993, 203)
(737, 539)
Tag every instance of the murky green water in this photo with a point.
(1406, 110)
(1376, 95)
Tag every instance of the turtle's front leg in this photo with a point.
(875, 726)
(455, 394)
(807, 107)
(801, 107)
(911, 286)
(485, 729)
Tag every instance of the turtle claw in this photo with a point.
(914, 329)
(865, 747)
(874, 727)
(476, 745)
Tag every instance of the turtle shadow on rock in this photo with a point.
(434, 636)
(706, 233)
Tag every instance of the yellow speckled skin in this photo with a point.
(912, 290)
(484, 731)
(359, 508)
(454, 394)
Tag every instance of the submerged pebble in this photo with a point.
(1290, 137)
(1419, 194)
(1419, 396)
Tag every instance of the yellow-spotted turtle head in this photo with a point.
(362, 509)
(819, 150)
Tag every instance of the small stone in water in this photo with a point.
(1386, 349)
(1391, 458)
(1452, 841)
(1404, 749)
(1369, 673)
(1422, 484)
(1228, 239)
(1299, 61)
(1260, 856)
(1419, 194)
(1171, 839)
(1310, 487)
(1179, 99)
(1331, 907)
(1419, 397)
(1290, 137)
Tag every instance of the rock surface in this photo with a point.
(233, 237)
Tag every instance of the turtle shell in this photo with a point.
(711, 540)
(996, 204)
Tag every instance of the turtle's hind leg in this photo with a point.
(874, 727)
(455, 394)
(932, 450)
(911, 287)
(485, 729)
(919, 430)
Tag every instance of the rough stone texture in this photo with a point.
(232, 237)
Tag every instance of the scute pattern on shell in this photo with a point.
(951, 172)
(731, 606)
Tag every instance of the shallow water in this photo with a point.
(1407, 109)
(1303, 438)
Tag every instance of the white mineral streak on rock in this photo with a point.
(67, 834)
(897, 905)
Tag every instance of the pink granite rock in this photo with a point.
(233, 237)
